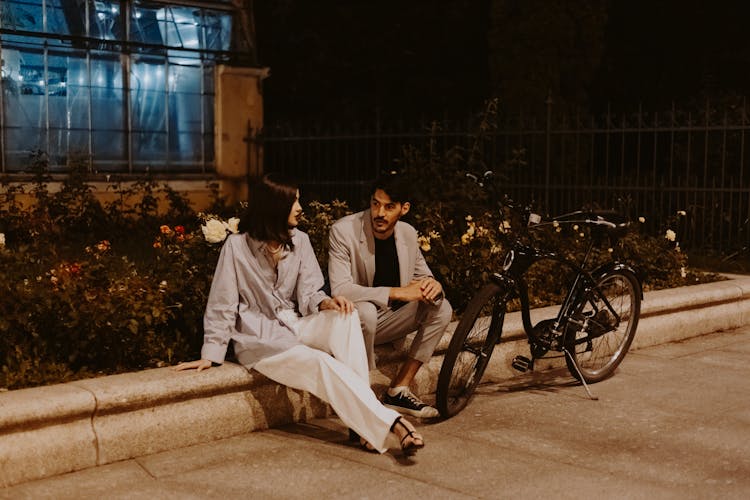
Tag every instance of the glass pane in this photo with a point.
(148, 99)
(179, 27)
(24, 113)
(68, 110)
(185, 116)
(143, 25)
(105, 21)
(208, 114)
(217, 29)
(109, 150)
(22, 15)
(56, 22)
(107, 113)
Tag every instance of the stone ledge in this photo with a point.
(51, 430)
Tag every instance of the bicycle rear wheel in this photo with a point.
(470, 349)
(600, 347)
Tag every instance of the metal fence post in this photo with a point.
(547, 154)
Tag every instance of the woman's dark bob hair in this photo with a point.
(270, 199)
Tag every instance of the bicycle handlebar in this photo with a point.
(609, 220)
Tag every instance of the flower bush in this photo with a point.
(317, 220)
(92, 289)
(100, 288)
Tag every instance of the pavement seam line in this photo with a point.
(144, 468)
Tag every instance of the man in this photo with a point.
(375, 261)
(266, 298)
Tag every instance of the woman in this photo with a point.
(266, 297)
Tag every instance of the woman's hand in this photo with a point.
(337, 303)
(201, 364)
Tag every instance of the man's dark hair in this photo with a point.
(394, 185)
(270, 200)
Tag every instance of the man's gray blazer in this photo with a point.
(351, 259)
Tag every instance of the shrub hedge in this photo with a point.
(92, 288)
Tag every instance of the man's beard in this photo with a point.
(374, 225)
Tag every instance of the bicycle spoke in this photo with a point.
(470, 350)
(610, 318)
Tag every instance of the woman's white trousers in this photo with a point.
(332, 365)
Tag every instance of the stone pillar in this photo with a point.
(239, 112)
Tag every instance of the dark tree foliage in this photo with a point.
(545, 47)
(657, 52)
(355, 60)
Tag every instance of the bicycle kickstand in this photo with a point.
(580, 377)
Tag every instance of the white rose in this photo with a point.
(2, 239)
(234, 225)
(215, 231)
(670, 235)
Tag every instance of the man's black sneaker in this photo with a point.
(404, 401)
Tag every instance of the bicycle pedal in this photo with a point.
(522, 363)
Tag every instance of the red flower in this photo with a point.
(179, 229)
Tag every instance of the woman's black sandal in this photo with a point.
(354, 437)
(365, 445)
(412, 446)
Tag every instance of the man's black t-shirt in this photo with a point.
(386, 266)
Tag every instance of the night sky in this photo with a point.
(353, 60)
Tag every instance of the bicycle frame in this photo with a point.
(518, 261)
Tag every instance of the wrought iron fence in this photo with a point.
(646, 164)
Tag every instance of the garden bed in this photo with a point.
(95, 288)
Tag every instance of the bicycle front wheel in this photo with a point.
(610, 314)
(470, 349)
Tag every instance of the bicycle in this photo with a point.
(594, 327)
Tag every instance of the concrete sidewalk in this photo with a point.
(53, 430)
(672, 423)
